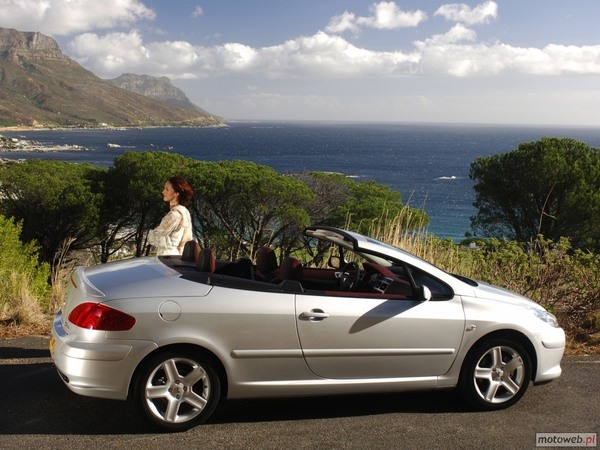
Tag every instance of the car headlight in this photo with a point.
(545, 316)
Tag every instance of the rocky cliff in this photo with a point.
(158, 88)
(39, 85)
(35, 46)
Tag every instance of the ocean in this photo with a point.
(427, 163)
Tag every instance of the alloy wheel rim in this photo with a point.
(177, 390)
(499, 374)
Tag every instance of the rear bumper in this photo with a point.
(96, 367)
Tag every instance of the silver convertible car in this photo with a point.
(178, 335)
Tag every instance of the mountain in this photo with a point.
(158, 88)
(41, 86)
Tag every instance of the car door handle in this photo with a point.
(314, 314)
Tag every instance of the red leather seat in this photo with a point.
(266, 264)
(206, 261)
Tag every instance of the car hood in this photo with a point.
(496, 293)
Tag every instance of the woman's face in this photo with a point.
(169, 193)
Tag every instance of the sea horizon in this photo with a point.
(308, 122)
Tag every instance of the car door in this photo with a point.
(375, 337)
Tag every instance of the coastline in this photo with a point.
(21, 145)
(23, 128)
(13, 129)
(10, 144)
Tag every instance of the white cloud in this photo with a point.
(319, 56)
(325, 56)
(173, 58)
(64, 17)
(458, 33)
(566, 59)
(459, 12)
(341, 23)
(113, 53)
(198, 11)
(385, 16)
(451, 54)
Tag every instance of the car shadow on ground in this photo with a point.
(304, 408)
(35, 401)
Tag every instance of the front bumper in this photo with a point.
(550, 354)
(94, 366)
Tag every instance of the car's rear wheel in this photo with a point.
(496, 374)
(176, 390)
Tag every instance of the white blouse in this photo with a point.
(174, 231)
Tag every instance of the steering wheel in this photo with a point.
(347, 281)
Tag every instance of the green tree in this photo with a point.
(341, 201)
(133, 201)
(549, 187)
(241, 205)
(369, 202)
(330, 191)
(55, 202)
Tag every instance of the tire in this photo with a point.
(176, 390)
(495, 374)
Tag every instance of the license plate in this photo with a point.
(52, 345)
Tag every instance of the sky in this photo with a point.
(492, 62)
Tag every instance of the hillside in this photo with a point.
(158, 88)
(40, 86)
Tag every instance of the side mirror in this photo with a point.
(425, 294)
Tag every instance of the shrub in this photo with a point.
(563, 280)
(24, 288)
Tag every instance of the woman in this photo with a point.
(175, 229)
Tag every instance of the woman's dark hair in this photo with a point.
(183, 187)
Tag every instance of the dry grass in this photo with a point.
(9, 329)
(24, 316)
(19, 305)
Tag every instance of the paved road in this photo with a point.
(37, 411)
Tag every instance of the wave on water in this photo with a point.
(448, 178)
(347, 175)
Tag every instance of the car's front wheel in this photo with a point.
(176, 390)
(496, 374)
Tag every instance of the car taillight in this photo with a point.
(96, 316)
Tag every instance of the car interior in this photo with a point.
(352, 278)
